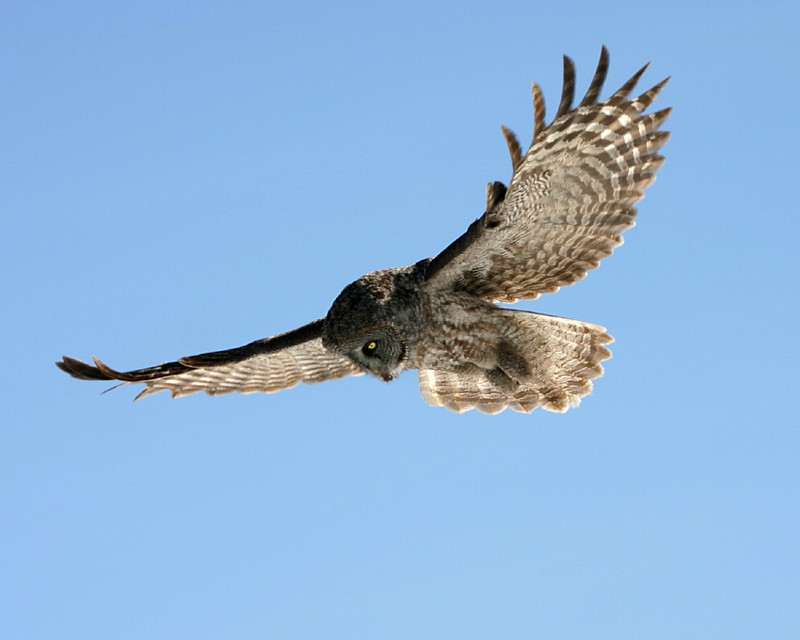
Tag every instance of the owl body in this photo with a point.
(389, 321)
(570, 198)
(460, 331)
(416, 328)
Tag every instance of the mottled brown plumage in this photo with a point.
(570, 198)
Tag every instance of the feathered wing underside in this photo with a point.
(460, 393)
(267, 366)
(563, 356)
(570, 198)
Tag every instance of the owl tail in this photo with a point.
(542, 361)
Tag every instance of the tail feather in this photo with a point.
(552, 363)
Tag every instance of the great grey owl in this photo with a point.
(569, 199)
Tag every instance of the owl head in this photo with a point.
(363, 325)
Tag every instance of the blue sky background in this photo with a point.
(180, 178)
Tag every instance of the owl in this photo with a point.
(570, 198)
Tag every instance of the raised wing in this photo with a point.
(570, 197)
(266, 365)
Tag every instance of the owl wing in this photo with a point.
(460, 393)
(266, 365)
(570, 197)
(562, 356)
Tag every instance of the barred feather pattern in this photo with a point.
(569, 200)
(563, 357)
(268, 373)
(308, 362)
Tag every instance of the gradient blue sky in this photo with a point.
(180, 178)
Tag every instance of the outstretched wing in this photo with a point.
(570, 197)
(266, 365)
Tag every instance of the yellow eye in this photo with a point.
(368, 348)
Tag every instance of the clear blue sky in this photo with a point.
(177, 180)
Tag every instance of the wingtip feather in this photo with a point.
(79, 369)
(567, 88)
(538, 111)
(596, 86)
(514, 147)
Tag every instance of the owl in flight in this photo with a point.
(570, 197)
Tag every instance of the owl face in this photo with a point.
(366, 324)
(377, 350)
